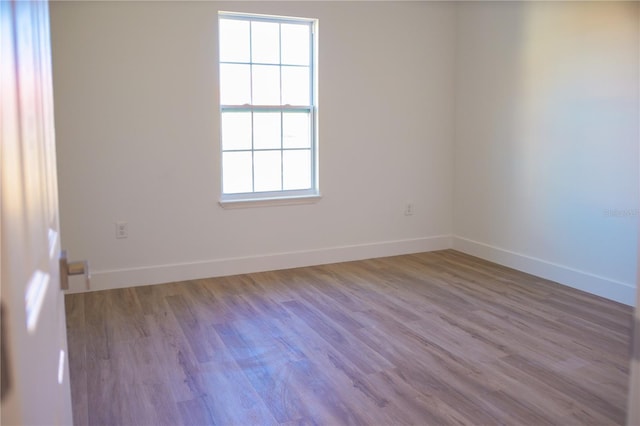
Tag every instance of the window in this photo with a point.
(267, 106)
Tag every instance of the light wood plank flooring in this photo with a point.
(427, 339)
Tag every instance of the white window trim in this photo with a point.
(242, 203)
(283, 197)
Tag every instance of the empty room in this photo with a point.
(333, 212)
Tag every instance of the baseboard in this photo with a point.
(581, 280)
(105, 280)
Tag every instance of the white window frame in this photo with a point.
(262, 198)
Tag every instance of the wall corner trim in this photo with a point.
(581, 280)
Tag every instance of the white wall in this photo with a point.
(546, 147)
(137, 131)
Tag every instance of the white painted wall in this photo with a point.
(137, 129)
(546, 146)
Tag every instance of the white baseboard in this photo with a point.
(105, 280)
(581, 280)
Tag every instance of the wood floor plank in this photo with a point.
(366, 360)
(76, 342)
(406, 398)
(267, 371)
(152, 400)
(566, 385)
(556, 403)
(192, 327)
(195, 412)
(95, 313)
(321, 399)
(369, 404)
(125, 318)
(427, 338)
(175, 359)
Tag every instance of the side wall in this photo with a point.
(138, 139)
(547, 130)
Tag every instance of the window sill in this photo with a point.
(268, 202)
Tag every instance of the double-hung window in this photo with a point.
(268, 107)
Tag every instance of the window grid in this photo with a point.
(281, 109)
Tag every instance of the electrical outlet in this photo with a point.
(122, 230)
(408, 209)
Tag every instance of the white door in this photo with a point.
(35, 376)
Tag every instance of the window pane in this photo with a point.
(295, 44)
(236, 130)
(266, 85)
(266, 130)
(234, 40)
(235, 84)
(296, 170)
(236, 176)
(267, 170)
(296, 132)
(295, 85)
(265, 38)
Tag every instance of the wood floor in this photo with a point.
(427, 339)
